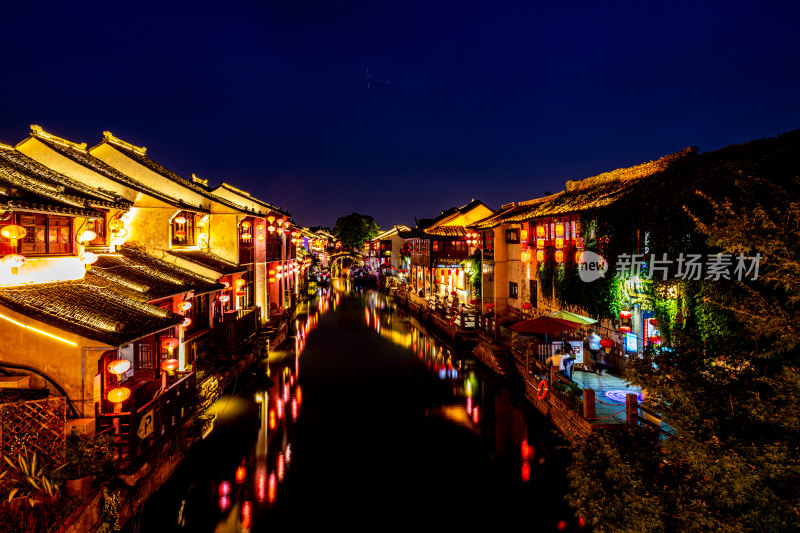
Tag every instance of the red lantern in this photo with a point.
(559, 256)
(559, 243)
(559, 230)
(540, 243)
(119, 394)
(624, 329)
(540, 232)
(490, 306)
(169, 365)
(170, 343)
(653, 322)
(88, 258)
(240, 293)
(539, 255)
(453, 293)
(13, 233)
(625, 315)
(607, 343)
(473, 302)
(526, 305)
(655, 339)
(14, 260)
(118, 366)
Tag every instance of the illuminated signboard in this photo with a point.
(631, 342)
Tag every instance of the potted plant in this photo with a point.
(28, 492)
(84, 457)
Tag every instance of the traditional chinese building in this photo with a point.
(121, 263)
(64, 319)
(439, 246)
(384, 250)
(540, 245)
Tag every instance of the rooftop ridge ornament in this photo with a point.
(201, 181)
(236, 190)
(109, 137)
(39, 132)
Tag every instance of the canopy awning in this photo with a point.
(545, 325)
(571, 317)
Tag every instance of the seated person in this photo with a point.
(558, 359)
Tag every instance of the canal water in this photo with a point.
(368, 422)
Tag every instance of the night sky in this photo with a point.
(499, 101)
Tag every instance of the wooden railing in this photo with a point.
(137, 431)
(235, 328)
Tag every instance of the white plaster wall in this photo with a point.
(150, 226)
(223, 236)
(128, 166)
(60, 361)
(37, 150)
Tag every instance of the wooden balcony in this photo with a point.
(142, 428)
(235, 328)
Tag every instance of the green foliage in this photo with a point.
(571, 391)
(728, 387)
(354, 230)
(87, 456)
(28, 493)
(472, 268)
(30, 479)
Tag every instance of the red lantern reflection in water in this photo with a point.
(241, 474)
(281, 467)
(272, 490)
(247, 515)
(261, 484)
(224, 503)
(526, 471)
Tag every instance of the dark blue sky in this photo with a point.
(498, 100)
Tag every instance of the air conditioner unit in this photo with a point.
(15, 382)
(82, 427)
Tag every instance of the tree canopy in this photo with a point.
(355, 229)
(728, 386)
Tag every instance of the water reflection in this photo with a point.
(395, 422)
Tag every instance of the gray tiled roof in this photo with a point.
(147, 278)
(163, 171)
(93, 311)
(88, 160)
(27, 184)
(208, 260)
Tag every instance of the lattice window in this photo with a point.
(37, 425)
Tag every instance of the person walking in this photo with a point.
(593, 340)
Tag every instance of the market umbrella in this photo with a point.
(545, 325)
(572, 317)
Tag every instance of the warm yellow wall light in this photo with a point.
(20, 324)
